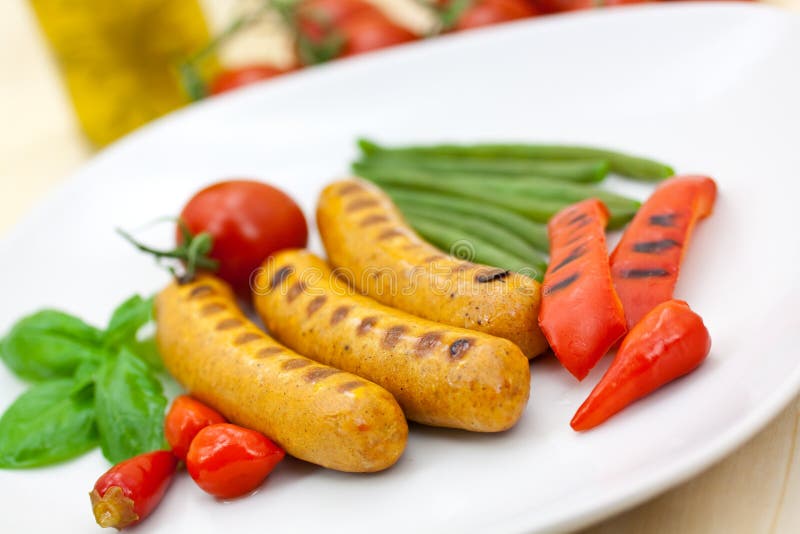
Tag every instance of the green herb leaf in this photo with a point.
(130, 404)
(50, 344)
(127, 319)
(47, 424)
(147, 350)
(125, 329)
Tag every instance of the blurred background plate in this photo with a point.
(686, 84)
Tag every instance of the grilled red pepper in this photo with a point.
(667, 343)
(130, 490)
(187, 417)
(580, 315)
(646, 262)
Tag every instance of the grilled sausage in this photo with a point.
(317, 413)
(365, 234)
(440, 375)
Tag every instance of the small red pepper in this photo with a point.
(580, 315)
(228, 461)
(130, 490)
(647, 259)
(187, 417)
(667, 343)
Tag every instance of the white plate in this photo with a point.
(712, 88)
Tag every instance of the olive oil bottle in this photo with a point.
(119, 58)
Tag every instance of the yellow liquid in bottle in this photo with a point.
(119, 58)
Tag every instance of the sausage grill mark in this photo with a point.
(211, 309)
(295, 290)
(435, 257)
(490, 275)
(227, 324)
(374, 219)
(390, 233)
(366, 325)
(315, 304)
(565, 283)
(280, 275)
(319, 373)
(666, 220)
(201, 291)
(351, 188)
(652, 247)
(246, 337)
(574, 254)
(643, 273)
(393, 335)
(296, 363)
(427, 342)
(361, 204)
(268, 352)
(459, 347)
(350, 386)
(339, 314)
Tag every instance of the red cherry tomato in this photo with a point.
(229, 461)
(367, 31)
(318, 19)
(331, 12)
(488, 12)
(559, 6)
(248, 221)
(130, 491)
(187, 417)
(230, 79)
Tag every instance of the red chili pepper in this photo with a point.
(647, 260)
(187, 417)
(130, 490)
(580, 315)
(667, 343)
(228, 461)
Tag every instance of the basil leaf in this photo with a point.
(50, 344)
(130, 404)
(147, 351)
(126, 328)
(127, 319)
(47, 424)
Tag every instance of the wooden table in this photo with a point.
(754, 490)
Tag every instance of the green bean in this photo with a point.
(574, 171)
(529, 188)
(535, 209)
(471, 248)
(624, 164)
(543, 188)
(483, 229)
(535, 234)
